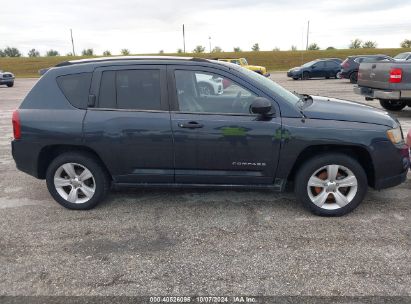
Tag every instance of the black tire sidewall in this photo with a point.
(354, 77)
(100, 177)
(390, 107)
(312, 165)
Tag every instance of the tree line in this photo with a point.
(354, 44)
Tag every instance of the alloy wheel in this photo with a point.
(74, 183)
(332, 187)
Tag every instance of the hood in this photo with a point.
(295, 69)
(343, 110)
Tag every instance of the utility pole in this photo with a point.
(209, 42)
(308, 33)
(184, 39)
(72, 41)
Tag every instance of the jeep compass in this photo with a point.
(88, 125)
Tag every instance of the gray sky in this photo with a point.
(149, 26)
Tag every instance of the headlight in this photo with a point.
(395, 135)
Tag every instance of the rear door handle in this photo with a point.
(191, 125)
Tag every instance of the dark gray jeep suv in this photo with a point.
(143, 121)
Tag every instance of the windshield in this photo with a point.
(402, 56)
(308, 64)
(243, 61)
(271, 86)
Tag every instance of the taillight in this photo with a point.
(396, 75)
(16, 125)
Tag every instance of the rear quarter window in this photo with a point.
(76, 88)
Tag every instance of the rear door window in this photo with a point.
(130, 89)
(76, 88)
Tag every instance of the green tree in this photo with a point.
(217, 49)
(355, 44)
(237, 49)
(125, 52)
(406, 44)
(52, 53)
(33, 53)
(313, 47)
(107, 53)
(369, 45)
(276, 49)
(11, 52)
(330, 48)
(293, 48)
(199, 49)
(87, 52)
(2, 53)
(255, 47)
(179, 51)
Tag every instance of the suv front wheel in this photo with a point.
(77, 181)
(331, 184)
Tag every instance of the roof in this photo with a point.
(128, 58)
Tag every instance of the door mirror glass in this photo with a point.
(261, 106)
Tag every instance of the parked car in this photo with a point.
(209, 85)
(243, 62)
(387, 81)
(141, 121)
(326, 68)
(349, 67)
(7, 78)
(403, 56)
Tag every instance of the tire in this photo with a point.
(10, 84)
(393, 105)
(354, 77)
(329, 190)
(83, 198)
(337, 75)
(205, 89)
(305, 76)
(295, 78)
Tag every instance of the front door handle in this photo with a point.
(191, 125)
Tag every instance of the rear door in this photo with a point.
(129, 125)
(216, 138)
(318, 69)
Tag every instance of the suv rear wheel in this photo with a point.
(393, 105)
(77, 181)
(331, 184)
(354, 77)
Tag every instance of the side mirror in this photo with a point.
(261, 106)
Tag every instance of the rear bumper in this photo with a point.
(26, 157)
(267, 75)
(382, 94)
(6, 81)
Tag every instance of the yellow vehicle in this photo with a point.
(243, 62)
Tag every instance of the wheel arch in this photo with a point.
(49, 153)
(359, 153)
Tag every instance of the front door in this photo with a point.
(216, 138)
(129, 126)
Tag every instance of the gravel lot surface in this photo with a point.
(190, 242)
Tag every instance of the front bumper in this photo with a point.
(381, 94)
(391, 164)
